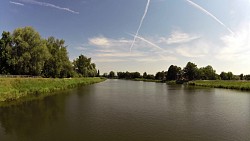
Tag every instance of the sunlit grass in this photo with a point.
(239, 85)
(15, 88)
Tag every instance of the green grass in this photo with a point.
(239, 85)
(16, 88)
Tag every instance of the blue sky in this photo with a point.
(206, 32)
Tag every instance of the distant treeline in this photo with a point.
(188, 73)
(25, 52)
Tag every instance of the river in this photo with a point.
(122, 110)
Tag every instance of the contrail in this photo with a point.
(48, 5)
(16, 3)
(147, 41)
(209, 14)
(142, 19)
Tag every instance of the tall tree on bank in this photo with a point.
(58, 64)
(5, 53)
(84, 67)
(207, 73)
(29, 52)
(173, 72)
(191, 71)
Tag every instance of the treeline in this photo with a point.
(188, 73)
(25, 52)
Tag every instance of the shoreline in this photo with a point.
(225, 84)
(12, 89)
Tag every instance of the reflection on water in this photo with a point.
(130, 110)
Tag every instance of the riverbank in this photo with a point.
(16, 88)
(227, 84)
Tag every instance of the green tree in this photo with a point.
(58, 64)
(144, 75)
(224, 76)
(83, 66)
(173, 72)
(111, 74)
(29, 52)
(241, 76)
(191, 71)
(5, 53)
(207, 73)
(160, 75)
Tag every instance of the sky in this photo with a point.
(141, 35)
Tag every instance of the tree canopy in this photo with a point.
(25, 52)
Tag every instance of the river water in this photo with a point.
(121, 110)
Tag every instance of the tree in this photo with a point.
(111, 74)
(58, 64)
(241, 76)
(83, 66)
(190, 71)
(224, 76)
(144, 75)
(29, 52)
(207, 73)
(5, 53)
(173, 72)
(160, 75)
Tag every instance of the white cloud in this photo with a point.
(49, 5)
(198, 49)
(16, 3)
(236, 47)
(112, 50)
(100, 41)
(178, 37)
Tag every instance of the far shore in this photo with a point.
(226, 84)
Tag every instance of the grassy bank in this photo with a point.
(15, 88)
(239, 85)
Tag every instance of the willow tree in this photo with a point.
(29, 52)
(84, 67)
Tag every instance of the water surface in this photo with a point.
(120, 110)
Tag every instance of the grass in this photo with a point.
(238, 85)
(16, 88)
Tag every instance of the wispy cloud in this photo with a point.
(236, 47)
(195, 50)
(147, 41)
(178, 37)
(103, 48)
(142, 19)
(16, 3)
(49, 5)
(209, 14)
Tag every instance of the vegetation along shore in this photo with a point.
(15, 88)
(232, 84)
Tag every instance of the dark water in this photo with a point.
(119, 110)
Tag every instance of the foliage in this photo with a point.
(191, 71)
(173, 72)
(83, 66)
(128, 75)
(24, 52)
(111, 74)
(207, 73)
(160, 75)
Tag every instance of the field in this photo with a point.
(227, 84)
(15, 88)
